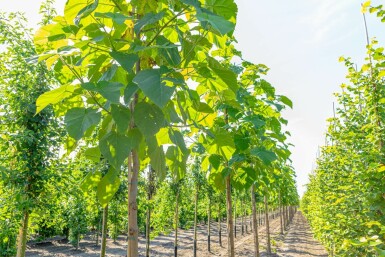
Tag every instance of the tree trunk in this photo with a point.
(251, 223)
(133, 230)
(150, 192)
(268, 246)
(98, 230)
(176, 221)
(243, 221)
(22, 238)
(287, 216)
(255, 224)
(245, 215)
(195, 222)
(219, 223)
(208, 226)
(280, 213)
(230, 233)
(148, 222)
(235, 217)
(104, 232)
(78, 241)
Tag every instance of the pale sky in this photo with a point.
(301, 41)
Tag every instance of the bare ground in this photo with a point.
(163, 245)
(299, 241)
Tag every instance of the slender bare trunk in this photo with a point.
(176, 221)
(245, 215)
(150, 192)
(268, 246)
(280, 213)
(133, 230)
(255, 224)
(219, 223)
(104, 232)
(78, 242)
(209, 226)
(235, 217)
(97, 233)
(230, 232)
(22, 238)
(243, 221)
(195, 222)
(129, 175)
(148, 222)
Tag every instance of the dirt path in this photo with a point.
(299, 241)
(163, 245)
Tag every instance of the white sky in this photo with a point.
(301, 41)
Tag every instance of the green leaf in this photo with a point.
(225, 8)
(129, 92)
(90, 181)
(115, 147)
(115, 16)
(107, 187)
(149, 118)
(78, 120)
(127, 61)
(215, 160)
(223, 138)
(109, 90)
(177, 138)
(194, 3)
(216, 178)
(150, 82)
(170, 53)
(266, 156)
(203, 107)
(226, 172)
(241, 141)
(53, 97)
(286, 101)
(135, 138)
(147, 19)
(219, 23)
(225, 74)
(158, 162)
(85, 12)
(381, 168)
(256, 121)
(121, 116)
(93, 154)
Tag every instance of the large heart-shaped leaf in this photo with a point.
(115, 147)
(150, 82)
(121, 116)
(109, 90)
(107, 187)
(266, 156)
(78, 120)
(53, 97)
(127, 61)
(149, 118)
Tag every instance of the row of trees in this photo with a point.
(344, 201)
(155, 103)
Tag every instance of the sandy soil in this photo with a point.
(163, 245)
(299, 241)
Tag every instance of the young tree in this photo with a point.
(28, 141)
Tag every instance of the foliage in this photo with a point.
(154, 83)
(344, 200)
(27, 141)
